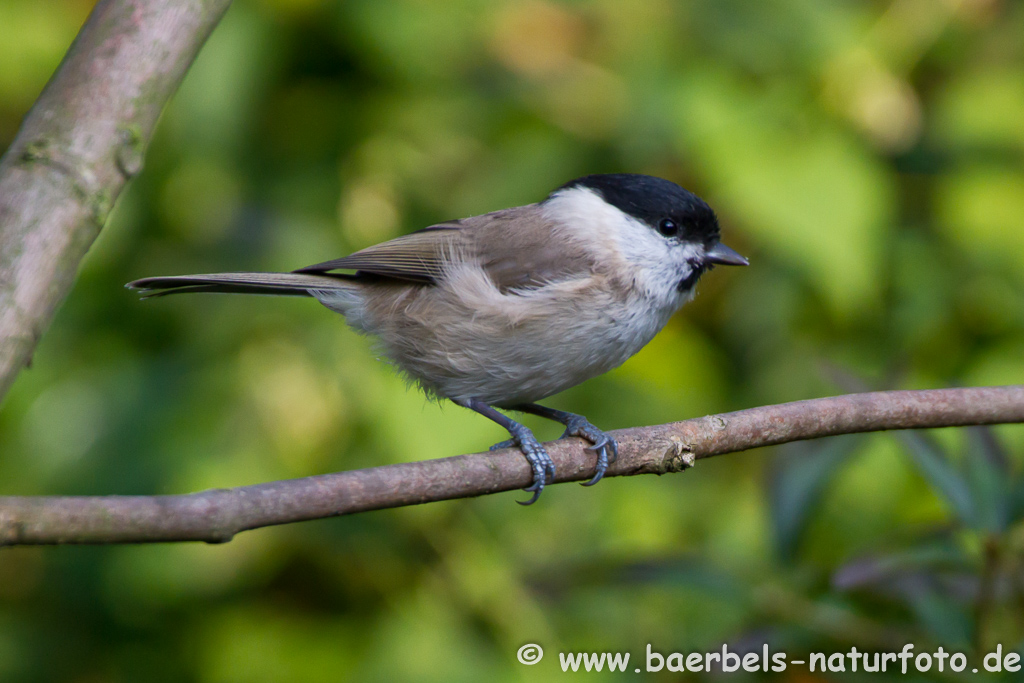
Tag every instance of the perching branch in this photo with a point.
(77, 148)
(216, 516)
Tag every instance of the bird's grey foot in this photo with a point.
(507, 443)
(603, 444)
(540, 462)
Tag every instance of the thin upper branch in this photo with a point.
(217, 515)
(84, 138)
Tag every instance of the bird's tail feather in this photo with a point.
(287, 284)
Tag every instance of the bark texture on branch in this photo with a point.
(82, 141)
(217, 515)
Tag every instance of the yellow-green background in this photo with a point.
(867, 156)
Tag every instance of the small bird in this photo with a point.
(504, 309)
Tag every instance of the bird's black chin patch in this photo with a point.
(688, 282)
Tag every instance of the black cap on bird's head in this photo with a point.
(668, 208)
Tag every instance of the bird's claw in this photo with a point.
(543, 467)
(540, 462)
(536, 494)
(602, 444)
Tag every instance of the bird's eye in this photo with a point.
(668, 227)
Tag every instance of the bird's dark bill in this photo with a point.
(724, 256)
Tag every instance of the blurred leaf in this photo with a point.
(692, 572)
(799, 476)
(947, 622)
(981, 107)
(988, 476)
(881, 570)
(936, 467)
(33, 36)
(935, 581)
(981, 209)
(804, 188)
(1015, 501)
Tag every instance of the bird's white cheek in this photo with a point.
(659, 266)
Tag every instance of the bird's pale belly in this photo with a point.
(505, 364)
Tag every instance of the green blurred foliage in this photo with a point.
(867, 156)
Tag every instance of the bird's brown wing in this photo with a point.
(420, 256)
(516, 247)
